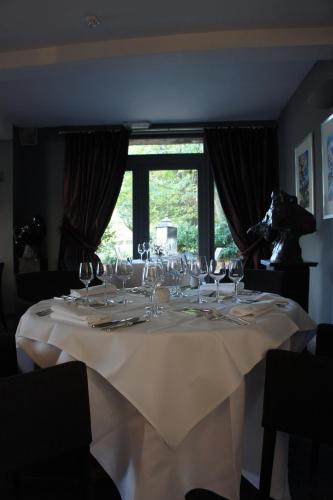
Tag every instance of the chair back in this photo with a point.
(292, 283)
(42, 285)
(2, 315)
(44, 415)
(8, 358)
(324, 339)
(298, 397)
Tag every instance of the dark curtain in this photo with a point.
(244, 162)
(94, 170)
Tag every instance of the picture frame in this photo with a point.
(304, 173)
(327, 166)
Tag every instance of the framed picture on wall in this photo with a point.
(304, 173)
(327, 166)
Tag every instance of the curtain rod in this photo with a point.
(188, 128)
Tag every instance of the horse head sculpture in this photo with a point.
(284, 223)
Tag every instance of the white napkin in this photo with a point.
(78, 315)
(94, 290)
(257, 308)
(225, 288)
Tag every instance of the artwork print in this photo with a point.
(304, 174)
(327, 166)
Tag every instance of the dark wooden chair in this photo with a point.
(2, 314)
(8, 357)
(324, 347)
(324, 339)
(45, 419)
(289, 284)
(42, 285)
(202, 494)
(298, 399)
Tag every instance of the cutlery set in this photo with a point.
(118, 323)
(213, 314)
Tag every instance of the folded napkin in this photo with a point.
(225, 288)
(78, 315)
(94, 290)
(257, 308)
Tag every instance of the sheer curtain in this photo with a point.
(244, 162)
(94, 170)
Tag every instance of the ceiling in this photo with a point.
(172, 62)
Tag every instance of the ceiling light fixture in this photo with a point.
(137, 125)
(92, 21)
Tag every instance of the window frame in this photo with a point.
(140, 165)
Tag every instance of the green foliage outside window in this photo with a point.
(173, 194)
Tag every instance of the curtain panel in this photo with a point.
(244, 162)
(94, 169)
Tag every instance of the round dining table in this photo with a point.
(175, 401)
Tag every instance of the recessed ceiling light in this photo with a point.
(92, 21)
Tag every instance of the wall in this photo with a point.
(38, 187)
(6, 223)
(296, 121)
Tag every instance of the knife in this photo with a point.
(113, 322)
(122, 324)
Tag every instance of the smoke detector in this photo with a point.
(92, 21)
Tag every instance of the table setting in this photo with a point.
(169, 370)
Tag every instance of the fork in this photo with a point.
(215, 315)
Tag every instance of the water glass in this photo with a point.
(198, 269)
(236, 273)
(86, 274)
(124, 272)
(104, 272)
(217, 271)
(152, 277)
(177, 268)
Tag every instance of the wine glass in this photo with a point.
(236, 273)
(177, 267)
(124, 272)
(104, 272)
(86, 274)
(141, 250)
(148, 247)
(152, 276)
(198, 269)
(217, 271)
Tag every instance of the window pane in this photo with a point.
(223, 238)
(174, 194)
(119, 233)
(136, 147)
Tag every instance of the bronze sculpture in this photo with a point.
(284, 223)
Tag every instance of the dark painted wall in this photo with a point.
(298, 119)
(6, 223)
(38, 187)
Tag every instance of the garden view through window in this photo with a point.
(172, 193)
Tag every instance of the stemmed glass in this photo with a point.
(217, 271)
(152, 277)
(141, 250)
(124, 272)
(86, 274)
(198, 269)
(236, 273)
(147, 247)
(104, 272)
(177, 267)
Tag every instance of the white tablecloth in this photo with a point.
(184, 374)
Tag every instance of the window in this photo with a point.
(119, 233)
(223, 238)
(173, 194)
(167, 178)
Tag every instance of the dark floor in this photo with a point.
(302, 484)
